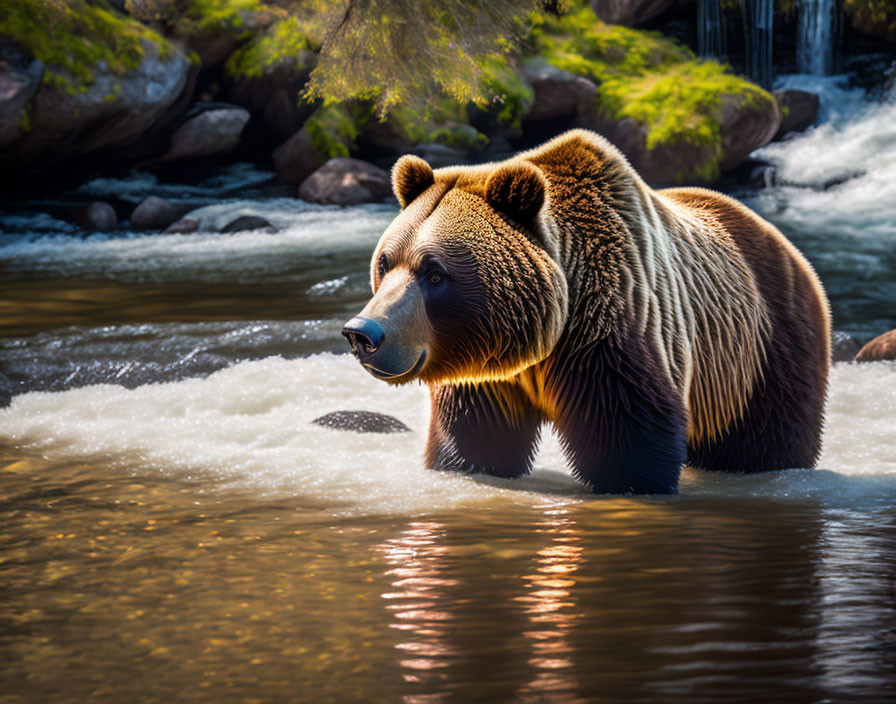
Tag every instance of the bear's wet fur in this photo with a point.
(652, 328)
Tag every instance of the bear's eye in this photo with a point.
(382, 266)
(435, 278)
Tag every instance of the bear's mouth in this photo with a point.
(403, 376)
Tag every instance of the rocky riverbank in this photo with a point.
(92, 86)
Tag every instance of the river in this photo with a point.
(174, 528)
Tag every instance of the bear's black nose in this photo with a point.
(364, 335)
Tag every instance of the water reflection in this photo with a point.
(550, 605)
(416, 600)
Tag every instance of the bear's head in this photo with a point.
(465, 285)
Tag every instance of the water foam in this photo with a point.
(250, 425)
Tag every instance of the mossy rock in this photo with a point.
(876, 18)
(107, 80)
(73, 38)
(657, 100)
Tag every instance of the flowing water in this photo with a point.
(174, 528)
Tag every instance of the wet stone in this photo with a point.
(362, 422)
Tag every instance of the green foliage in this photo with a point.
(286, 41)
(510, 93)
(333, 130)
(646, 77)
(72, 36)
(393, 52)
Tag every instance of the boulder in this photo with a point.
(210, 128)
(296, 159)
(97, 217)
(629, 12)
(362, 422)
(438, 155)
(799, 110)
(154, 213)
(345, 181)
(20, 77)
(882, 347)
(746, 125)
(271, 92)
(558, 93)
(111, 112)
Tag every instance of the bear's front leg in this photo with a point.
(487, 428)
(622, 423)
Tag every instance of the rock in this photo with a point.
(872, 17)
(154, 213)
(882, 347)
(843, 347)
(213, 128)
(629, 12)
(746, 120)
(438, 155)
(362, 422)
(345, 181)
(244, 223)
(98, 217)
(270, 91)
(20, 77)
(799, 110)
(746, 125)
(110, 113)
(558, 93)
(296, 159)
(183, 226)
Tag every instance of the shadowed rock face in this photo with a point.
(882, 347)
(362, 422)
(344, 181)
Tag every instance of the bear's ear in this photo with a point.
(517, 190)
(410, 177)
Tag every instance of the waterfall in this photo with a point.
(816, 35)
(711, 40)
(758, 28)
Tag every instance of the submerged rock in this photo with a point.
(344, 181)
(245, 223)
(212, 129)
(882, 347)
(183, 226)
(362, 422)
(98, 216)
(843, 346)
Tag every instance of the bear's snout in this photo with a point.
(365, 336)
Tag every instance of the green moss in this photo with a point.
(219, 15)
(876, 17)
(333, 130)
(73, 36)
(646, 77)
(287, 40)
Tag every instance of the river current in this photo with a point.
(174, 527)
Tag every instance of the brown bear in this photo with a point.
(652, 328)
